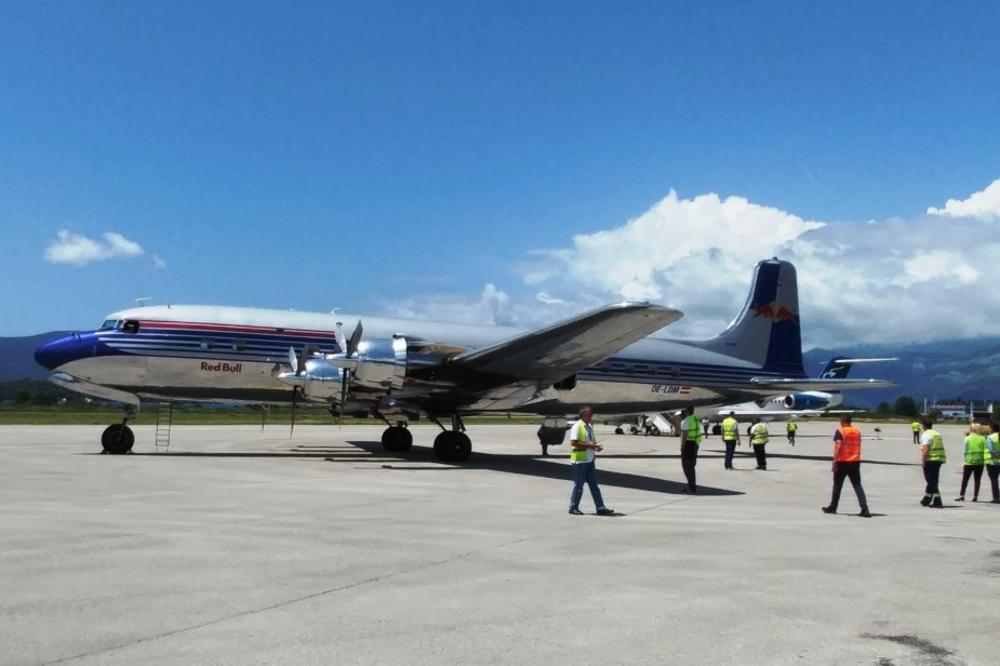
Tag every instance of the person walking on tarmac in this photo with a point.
(974, 457)
(581, 457)
(847, 464)
(915, 427)
(704, 425)
(993, 461)
(790, 430)
(690, 441)
(932, 456)
(758, 439)
(730, 437)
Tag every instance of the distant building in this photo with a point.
(950, 410)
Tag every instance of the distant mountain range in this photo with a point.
(965, 369)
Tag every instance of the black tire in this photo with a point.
(619, 431)
(716, 429)
(452, 446)
(117, 439)
(397, 439)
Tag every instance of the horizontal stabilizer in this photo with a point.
(560, 350)
(806, 384)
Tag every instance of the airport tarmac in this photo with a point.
(238, 547)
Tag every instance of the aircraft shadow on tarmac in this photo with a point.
(530, 465)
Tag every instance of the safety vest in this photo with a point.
(730, 429)
(690, 430)
(993, 449)
(935, 452)
(758, 434)
(975, 449)
(580, 434)
(850, 445)
(915, 426)
(792, 426)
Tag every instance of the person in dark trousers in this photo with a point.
(758, 439)
(847, 464)
(690, 441)
(974, 457)
(581, 457)
(790, 431)
(932, 456)
(993, 460)
(730, 437)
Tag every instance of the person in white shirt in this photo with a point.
(583, 446)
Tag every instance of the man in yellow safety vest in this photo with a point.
(581, 456)
(730, 437)
(690, 441)
(932, 456)
(790, 430)
(758, 439)
(993, 460)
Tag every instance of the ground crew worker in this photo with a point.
(915, 427)
(974, 457)
(581, 456)
(758, 439)
(730, 437)
(647, 426)
(993, 460)
(790, 430)
(847, 464)
(932, 456)
(690, 441)
(704, 424)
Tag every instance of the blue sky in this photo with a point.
(376, 156)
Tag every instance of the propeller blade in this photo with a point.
(338, 335)
(295, 396)
(344, 379)
(293, 361)
(352, 344)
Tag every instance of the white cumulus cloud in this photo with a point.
(893, 280)
(78, 250)
(983, 204)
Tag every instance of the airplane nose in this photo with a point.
(58, 352)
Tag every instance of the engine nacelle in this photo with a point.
(380, 365)
(806, 401)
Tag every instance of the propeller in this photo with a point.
(349, 347)
(297, 365)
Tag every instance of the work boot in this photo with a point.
(865, 513)
(605, 511)
(829, 509)
(575, 511)
(960, 498)
(926, 501)
(995, 500)
(937, 503)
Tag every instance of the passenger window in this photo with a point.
(239, 345)
(131, 326)
(206, 343)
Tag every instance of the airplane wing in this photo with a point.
(807, 384)
(557, 351)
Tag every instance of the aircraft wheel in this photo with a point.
(619, 431)
(117, 439)
(397, 439)
(452, 446)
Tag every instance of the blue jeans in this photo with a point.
(585, 473)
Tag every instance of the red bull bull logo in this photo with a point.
(775, 311)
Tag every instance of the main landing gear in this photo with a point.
(118, 439)
(397, 439)
(449, 446)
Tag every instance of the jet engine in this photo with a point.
(806, 401)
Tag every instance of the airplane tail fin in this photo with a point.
(838, 368)
(767, 331)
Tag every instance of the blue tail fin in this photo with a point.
(767, 331)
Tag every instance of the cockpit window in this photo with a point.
(109, 324)
(130, 326)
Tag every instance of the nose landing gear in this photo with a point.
(118, 439)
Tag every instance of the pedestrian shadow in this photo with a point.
(532, 465)
(719, 453)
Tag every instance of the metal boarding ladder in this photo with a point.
(164, 419)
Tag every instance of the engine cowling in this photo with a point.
(805, 401)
